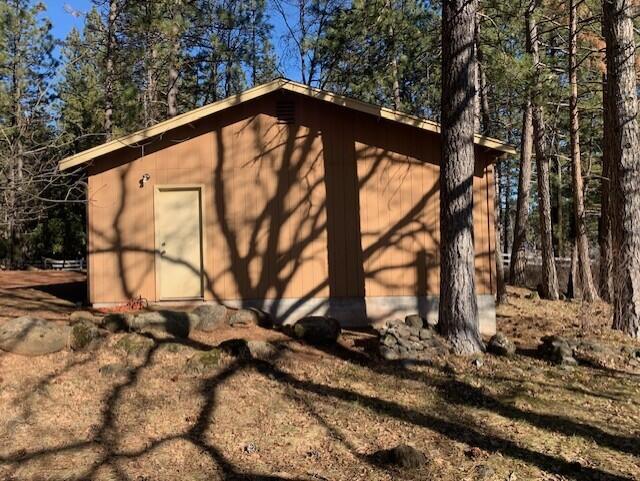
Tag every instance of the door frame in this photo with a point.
(157, 190)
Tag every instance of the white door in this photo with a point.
(178, 219)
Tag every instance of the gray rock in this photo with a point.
(204, 361)
(82, 334)
(117, 322)
(262, 350)
(211, 317)
(501, 345)
(414, 320)
(389, 354)
(244, 318)
(32, 336)
(389, 340)
(557, 350)
(174, 323)
(317, 329)
(135, 344)
(426, 334)
(80, 316)
(402, 456)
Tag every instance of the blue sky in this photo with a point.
(60, 12)
(62, 20)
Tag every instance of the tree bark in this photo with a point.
(458, 309)
(518, 253)
(549, 275)
(109, 68)
(589, 293)
(624, 164)
(172, 94)
(604, 232)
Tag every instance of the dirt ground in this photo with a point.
(173, 413)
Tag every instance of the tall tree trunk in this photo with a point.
(624, 164)
(549, 275)
(458, 309)
(109, 68)
(604, 231)
(589, 292)
(172, 93)
(483, 125)
(518, 253)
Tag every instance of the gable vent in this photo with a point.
(285, 111)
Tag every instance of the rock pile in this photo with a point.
(570, 351)
(411, 339)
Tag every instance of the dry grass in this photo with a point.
(319, 415)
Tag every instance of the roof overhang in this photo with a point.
(131, 140)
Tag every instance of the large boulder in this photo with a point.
(317, 329)
(174, 323)
(32, 336)
(212, 317)
(501, 345)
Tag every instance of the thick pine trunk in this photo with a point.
(604, 233)
(587, 285)
(518, 253)
(458, 310)
(549, 275)
(624, 164)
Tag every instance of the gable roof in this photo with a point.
(131, 140)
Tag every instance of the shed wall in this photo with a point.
(338, 204)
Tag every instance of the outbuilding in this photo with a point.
(286, 198)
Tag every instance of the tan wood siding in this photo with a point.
(337, 204)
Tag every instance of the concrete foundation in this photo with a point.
(360, 312)
(355, 311)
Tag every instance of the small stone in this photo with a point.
(426, 334)
(414, 338)
(501, 345)
(402, 456)
(389, 340)
(389, 354)
(414, 320)
(211, 317)
(262, 350)
(477, 362)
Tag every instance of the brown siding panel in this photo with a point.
(338, 204)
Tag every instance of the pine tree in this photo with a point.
(458, 310)
(26, 71)
(624, 162)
